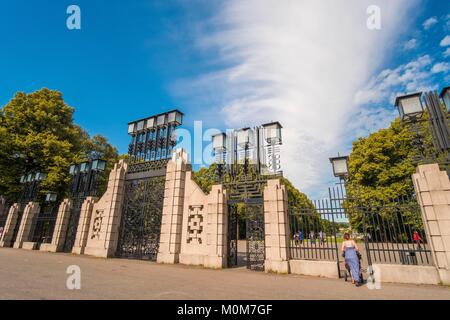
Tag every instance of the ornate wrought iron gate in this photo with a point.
(45, 223)
(253, 216)
(141, 218)
(72, 226)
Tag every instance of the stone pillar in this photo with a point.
(105, 221)
(29, 213)
(172, 216)
(216, 237)
(60, 231)
(84, 225)
(276, 226)
(432, 188)
(11, 221)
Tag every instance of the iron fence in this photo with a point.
(314, 231)
(392, 231)
(388, 232)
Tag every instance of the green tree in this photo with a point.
(37, 133)
(380, 169)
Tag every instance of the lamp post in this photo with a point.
(152, 139)
(411, 111)
(249, 144)
(340, 170)
(30, 183)
(272, 133)
(85, 177)
(219, 147)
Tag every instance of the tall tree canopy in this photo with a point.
(37, 133)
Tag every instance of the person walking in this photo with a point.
(350, 251)
(417, 239)
(321, 237)
(312, 236)
(300, 236)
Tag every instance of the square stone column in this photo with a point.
(84, 225)
(172, 216)
(11, 221)
(276, 225)
(61, 225)
(432, 188)
(29, 213)
(106, 216)
(216, 237)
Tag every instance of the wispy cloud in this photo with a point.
(430, 22)
(445, 42)
(298, 62)
(411, 44)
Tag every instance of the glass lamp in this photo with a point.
(99, 165)
(175, 118)
(409, 106)
(340, 166)
(272, 132)
(244, 137)
(131, 128)
(84, 167)
(51, 197)
(219, 142)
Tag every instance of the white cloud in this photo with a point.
(409, 77)
(445, 42)
(411, 44)
(430, 22)
(298, 62)
(441, 67)
(447, 53)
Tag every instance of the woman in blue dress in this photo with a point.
(350, 251)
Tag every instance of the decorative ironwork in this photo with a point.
(232, 256)
(138, 167)
(254, 215)
(141, 218)
(45, 223)
(85, 183)
(73, 221)
(3, 213)
(30, 192)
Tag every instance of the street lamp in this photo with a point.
(411, 109)
(98, 165)
(51, 197)
(272, 132)
(340, 166)
(410, 106)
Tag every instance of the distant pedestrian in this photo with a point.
(300, 236)
(312, 236)
(1, 232)
(321, 237)
(417, 239)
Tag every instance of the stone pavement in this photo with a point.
(38, 275)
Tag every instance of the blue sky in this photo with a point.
(313, 65)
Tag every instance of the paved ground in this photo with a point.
(38, 275)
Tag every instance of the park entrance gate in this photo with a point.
(246, 211)
(151, 147)
(141, 215)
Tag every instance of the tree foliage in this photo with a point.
(37, 133)
(380, 170)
